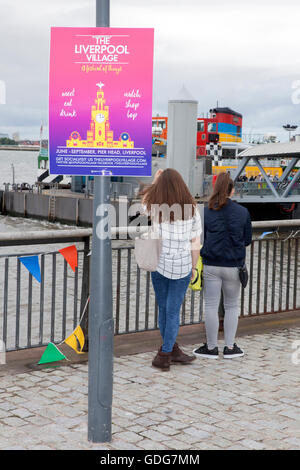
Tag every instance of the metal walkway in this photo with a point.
(285, 190)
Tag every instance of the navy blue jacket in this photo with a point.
(218, 248)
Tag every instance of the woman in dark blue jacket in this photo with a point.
(227, 231)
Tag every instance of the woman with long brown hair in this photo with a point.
(227, 231)
(174, 212)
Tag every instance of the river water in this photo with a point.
(25, 166)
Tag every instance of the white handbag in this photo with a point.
(147, 250)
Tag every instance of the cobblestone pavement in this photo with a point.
(246, 403)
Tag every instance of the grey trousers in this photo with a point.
(215, 279)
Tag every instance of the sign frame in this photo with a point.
(100, 101)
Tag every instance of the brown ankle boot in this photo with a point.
(179, 356)
(162, 360)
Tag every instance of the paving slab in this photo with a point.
(245, 403)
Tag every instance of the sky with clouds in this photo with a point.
(239, 53)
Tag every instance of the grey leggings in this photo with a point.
(216, 278)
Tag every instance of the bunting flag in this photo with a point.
(51, 354)
(70, 255)
(32, 262)
(33, 266)
(76, 340)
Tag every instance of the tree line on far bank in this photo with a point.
(7, 141)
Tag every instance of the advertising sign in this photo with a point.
(100, 101)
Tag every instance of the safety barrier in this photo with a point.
(32, 313)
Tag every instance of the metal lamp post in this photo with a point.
(101, 325)
(290, 129)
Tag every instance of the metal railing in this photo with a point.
(261, 188)
(33, 314)
(116, 188)
(135, 305)
(255, 188)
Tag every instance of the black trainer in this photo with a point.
(203, 351)
(234, 352)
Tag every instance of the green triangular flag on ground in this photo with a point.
(51, 354)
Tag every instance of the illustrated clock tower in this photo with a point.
(100, 128)
(99, 134)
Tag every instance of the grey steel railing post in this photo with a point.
(101, 327)
(85, 292)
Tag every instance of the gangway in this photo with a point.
(285, 190)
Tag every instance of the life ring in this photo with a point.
(291, 209)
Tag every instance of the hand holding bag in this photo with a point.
(197, 283)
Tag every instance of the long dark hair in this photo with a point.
(169, 190)
(221, 192)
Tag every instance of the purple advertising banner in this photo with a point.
(100, 101)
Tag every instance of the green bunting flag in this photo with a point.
(51, 354)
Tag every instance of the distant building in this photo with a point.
(3, 136)
(16, 136)
(29, 142)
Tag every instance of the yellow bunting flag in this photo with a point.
(76, 340)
